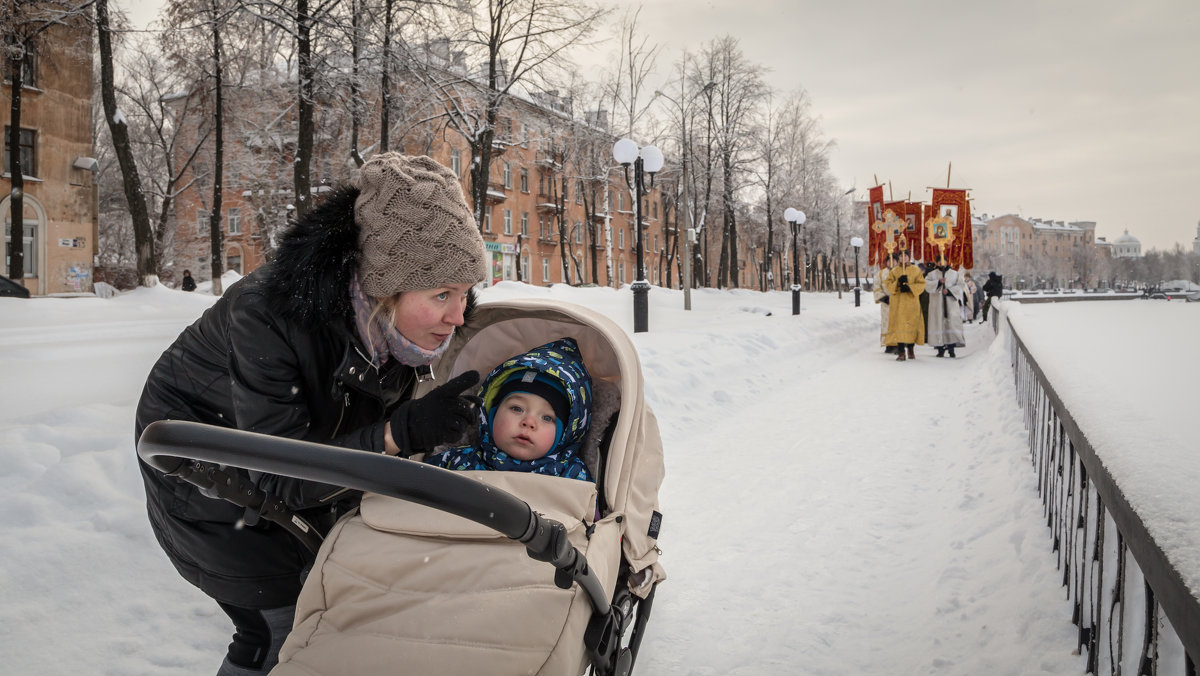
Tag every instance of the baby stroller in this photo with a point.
(436, 581)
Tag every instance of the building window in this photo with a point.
(525, 268)
(456, 162)
(656, 243)
(524, 180)
(621, 272)
(28, 245)
(508, 221)
(541, 184)
(541, 226)
(545, 269)
(525, 223)
(201, 221)
(508, 175)
(621, 239)
(620, 201)
(234, 262)
(487, 220)
(579, 192)
(578, 232)
(235, 221)
(28, 70)
(27, 157)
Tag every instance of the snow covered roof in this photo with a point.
(1127, 239)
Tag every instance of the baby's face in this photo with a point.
(524, 426)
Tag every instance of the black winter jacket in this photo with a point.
(276, 354)
(994, 286)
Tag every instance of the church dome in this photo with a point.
(1127, 239)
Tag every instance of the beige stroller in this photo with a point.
(451, 578)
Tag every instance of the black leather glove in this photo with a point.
(904, 287)
(885, 300)
(903, 279)
(439, 417)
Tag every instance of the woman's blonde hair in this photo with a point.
(383, 305)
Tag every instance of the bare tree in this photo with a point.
(518, 43)
(147, 265)
(739, 86)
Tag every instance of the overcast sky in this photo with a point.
(1064, 110)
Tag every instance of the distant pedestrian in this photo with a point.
(926, 268)
(970, 288)
(905, 283)
(944, 329)
(992, 288)
(188, 284)
(881, 299)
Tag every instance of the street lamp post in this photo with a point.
(856, 242)
(646, 160)
(796, 218)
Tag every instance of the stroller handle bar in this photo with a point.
(174, 446)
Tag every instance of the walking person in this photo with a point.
(968, 299)
(881, 299)
(992, 288)
(324, 344)
(905, 283)
(944, 330)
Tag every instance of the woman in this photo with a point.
(323, 344)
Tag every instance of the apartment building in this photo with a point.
(534, 185)
(59, 219)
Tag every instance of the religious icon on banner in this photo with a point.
(939, 232)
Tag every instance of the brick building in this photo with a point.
(1035, 253)
(60, 204)
(525, 192)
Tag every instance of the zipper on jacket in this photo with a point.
(342, 414)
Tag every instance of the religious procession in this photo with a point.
(922, 286)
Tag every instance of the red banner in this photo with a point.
(875, 239)
(914, 214)
(954, 204)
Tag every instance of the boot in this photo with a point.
(950, 350)
(911, 355)
(900, 354)
(941, 351)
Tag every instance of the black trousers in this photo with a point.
(258, 635)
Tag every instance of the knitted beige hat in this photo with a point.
(415, 228)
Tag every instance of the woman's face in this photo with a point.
(428, 317)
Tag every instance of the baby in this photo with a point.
(535, 414)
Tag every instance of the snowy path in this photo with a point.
(868, 530)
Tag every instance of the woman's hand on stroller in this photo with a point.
(440, 417)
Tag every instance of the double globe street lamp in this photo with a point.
(796, 218)
(645, 160)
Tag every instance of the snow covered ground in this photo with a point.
(827, 510)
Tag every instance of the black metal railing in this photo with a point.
(1135, 613)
